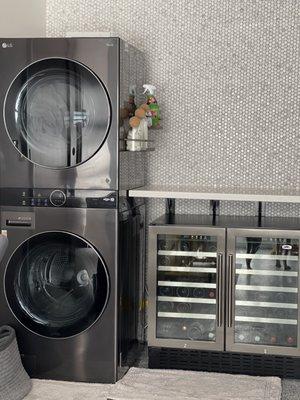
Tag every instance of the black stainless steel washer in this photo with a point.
(59, 288)
(56, 284)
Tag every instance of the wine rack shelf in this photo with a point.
(197, 254)
(187, 284)
(267, 257)
(186, 300)
(185, 315)
(265, 272)
(267, 320)
(264, 304)
(199, 270)
(267, 288)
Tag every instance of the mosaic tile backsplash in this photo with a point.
(227, 73)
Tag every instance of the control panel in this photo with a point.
(68, 198)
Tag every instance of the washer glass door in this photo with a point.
(57, 113)
(56, 284)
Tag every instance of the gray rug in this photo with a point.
(290, 389)
(145, 384)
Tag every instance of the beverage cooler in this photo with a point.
(228, 292)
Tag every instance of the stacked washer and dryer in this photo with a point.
(71, 279)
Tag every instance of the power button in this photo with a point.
(58, 198)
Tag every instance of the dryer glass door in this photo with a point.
(56, 284)
(57, 113)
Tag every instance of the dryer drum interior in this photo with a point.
(57, 113)
(56, 284)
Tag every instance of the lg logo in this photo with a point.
(6, 45)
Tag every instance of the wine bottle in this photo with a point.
(199, 292)
(182, 292)
(274, 331)
(261, 296)
(204, 263)
(194, 243)
(278, 313)
(261, 336)
(201, 331)
(243, 335)
(252, 334)
(165, 260)
(257, 338)
(212, 247)
(162, 245)
(273, 339)
(164, 328)
(165, 291)
(291, 340)
(165, 306)
(280, 297)
(196, 331)
(184, 307)
(186, 261)
(185, 246)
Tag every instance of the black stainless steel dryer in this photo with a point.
(61, 101)
(61, 282)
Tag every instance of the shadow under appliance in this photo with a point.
(63, 285)
(61, 99)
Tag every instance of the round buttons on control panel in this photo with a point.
(58, 198)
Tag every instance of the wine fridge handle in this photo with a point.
(220, 289)
(230, 290)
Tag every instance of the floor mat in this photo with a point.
(145, 384)
(58, 390)
(290, 389)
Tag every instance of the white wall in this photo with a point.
(22, 18)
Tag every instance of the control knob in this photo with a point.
(57, 198)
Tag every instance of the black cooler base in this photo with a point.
(232, 363)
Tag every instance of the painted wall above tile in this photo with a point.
(22, 18)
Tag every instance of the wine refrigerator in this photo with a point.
(229, 286)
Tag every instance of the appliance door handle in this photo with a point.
(219, 289)
(230, 291)
(12, 222)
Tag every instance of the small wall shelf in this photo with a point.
(200, 193)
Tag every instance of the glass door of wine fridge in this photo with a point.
(263, 291)
(186, 287)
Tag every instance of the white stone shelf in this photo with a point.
(198, 193)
